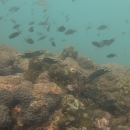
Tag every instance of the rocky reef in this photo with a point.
(54, 92)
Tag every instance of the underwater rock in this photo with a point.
(36, 66)
(8, 82)
(41, 89)
(87, 63)
(59, 73)
(69, 52)
(7, 59)
(5, 119)
(43, 78)
(73, 114)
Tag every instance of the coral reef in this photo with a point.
(69, 52)
(36, 66)
(73, 114)
(33, 100)
(87, 63)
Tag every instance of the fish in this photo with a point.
(109, 103)
(44, 23)
(88, 28)
(53, 43)
(123, 33)
(1, 17)
(41, 38)
(42, 3)
(107, 42)
(111, 55)
(98, 34)
(127, 21)
(98, 73)
(44, 10)
(102, 27)
(30, 54)
(61, 29)
(14, 9)
(31, 23)
(16, 26)
(13, 21)
(29, 40)
(48, 28)
(40, 33)
(31, 29)
(51, 39)
(50, 60)
(97, 44)
(13, 35)
(47, 19)
(2, 1)
(63, 40)
(70, 31)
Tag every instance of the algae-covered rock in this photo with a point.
(73, 115)
(86, 63)
(59, 73)
(36, 66)
(69, 51)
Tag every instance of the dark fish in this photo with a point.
(14, 9)
(98, 34)
(48, 28)
(2, 1)
(31, 23)
(44, 23)
(61, 29)
(102, 27)
(13, 35)
(109, 103)
(73, 0)
(1, 17)
(13, 21)
(51, 39)
(16, 26)
(31, 29)
(40, 33)
(66, 16)
(97, 44)
(127, 21)
(44, 10)
(98, 73)
(30, 54)
(94, 93)
(111, 55)
(88, 28)
(47, 19)
(41, 38)
(70, 31)
(107, 42)
(29, 40)
(63, 40)
(67, 19)
(53, 43)
(123, 33)
(50, 60)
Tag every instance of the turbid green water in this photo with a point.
(81, 14)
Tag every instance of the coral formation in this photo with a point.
(5, 119)
(87, 63)
(59, 73)
(33, 100)
(69, 52)
(36, 66)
